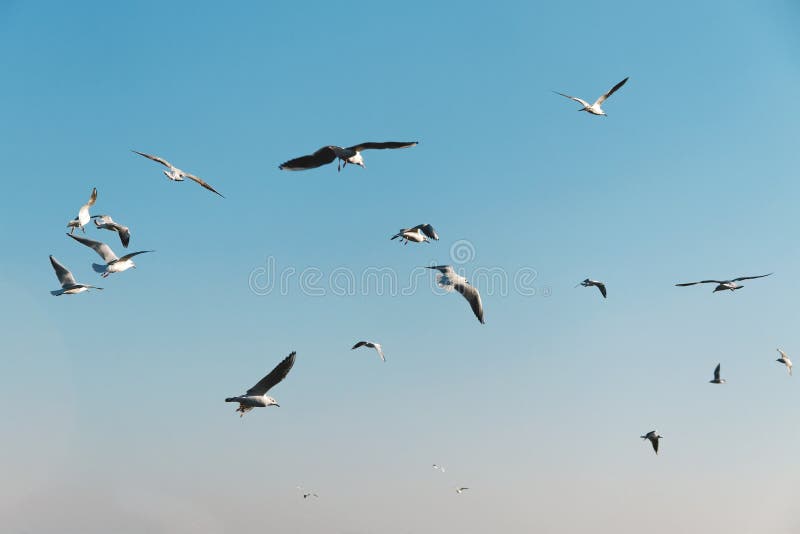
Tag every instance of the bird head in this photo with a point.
(271, 402)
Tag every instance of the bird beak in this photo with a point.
(278, 405)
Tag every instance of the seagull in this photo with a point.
(653, 437)
(595, 108)
(105, 222)
(461, 490)
(307, 494)
(717, 379)
(449, 280)
(68, 284)
(327, 154)
(722, 285)
(113, 263)
(784, 359)
(256, 396)
(418, 234)
(599, 285)
(370, 344)
(175, 174)
(83, 214)
(438, 467)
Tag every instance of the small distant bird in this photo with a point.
(461, 490)
(438, 467)
(599, 285)
(595, 108)
(83, 214)
(449, 280)
(653, 437)
(418, 234)
(717, 379)
(307, 494)
(351, 155)
(256, 396)
(68, 284)
(175, 174)
(113, 263)
(784, 359)
(723, 285)
(370, 344)
(105, 222)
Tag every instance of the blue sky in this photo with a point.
(112, 401)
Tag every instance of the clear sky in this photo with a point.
(111, 402)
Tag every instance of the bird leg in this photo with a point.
(243, 409)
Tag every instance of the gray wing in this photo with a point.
(162, 161)
(602, 287)
(274, 377)
(472, 296)
(132, 254)
(428, 230)
(321, 157)
(444, 269)
(716, 372)
(576, 99)
(102, 249)
(383, 145)
(92, 198)
(359, 344)
(749, 277)
(611, 92)
(201, 182)
(65, 277)
(701, 282)
(124, 234)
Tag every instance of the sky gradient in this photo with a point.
(112, 402)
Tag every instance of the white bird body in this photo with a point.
(256, 396)
(113, 264)
(784, 359)
(418, 234)
(595, 108)
(83, 217)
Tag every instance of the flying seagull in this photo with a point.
(370, 344)
(461, 490)
(327, 154)
(449, 280)
(83, 214)
(722, 285)
(438, 467)
(68, 284)
(595, 108)
(256, 396)
(717, 379)
(307, 495)
(105, 222)
(418, 234)
(653, 437)
(113, 263)
(175, 174)
(599, 285)
(784, 359)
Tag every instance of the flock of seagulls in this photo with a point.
(448, 278)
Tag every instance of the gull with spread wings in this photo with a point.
(421, 233)
(113, 263)
(105, 222)
(599, 285)
(175, 174)
(595, 108)
(723, 285)
(256, 396)
(68, 284)
(351, 155)
(371, 345)
(450, 280)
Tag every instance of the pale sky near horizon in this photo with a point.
(112, 402)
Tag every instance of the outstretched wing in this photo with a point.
(162, 161)
(102, 249)
(126, 257)
(602, 288)
(92, 198)
(321, 157)
(472, 296)
(65, 277)
(749, 277)
(611, 92)
(201, 182)
(124, 234)
(700, 282)
(444, 269)
(716, 372)
(274, 377)
(380, 146)
(359, 344)
(428, 230)
(576, 99)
